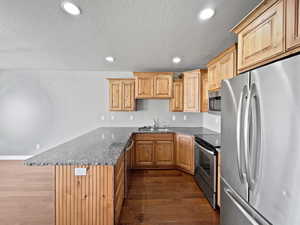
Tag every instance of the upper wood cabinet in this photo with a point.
(153, 85)
(221, 67)
(192, 90)
(121, 95)
(292, 24)
(176, 103)
(261, 35)
(204, 92)
(185, 153)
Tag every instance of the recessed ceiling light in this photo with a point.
(70, 8)
(109, 59)
(206, 14)
(176, 60)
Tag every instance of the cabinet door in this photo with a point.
(164, 153)
(213, 73)
(263, 38)
(185, 153)
(144, 85)
(204, 92)
(163, 85)
(227, 67)
(176, 103)
(144, 153)
(292, 24)
(128, 103)
(191, 92)
(115, 95)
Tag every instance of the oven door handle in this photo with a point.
(204, 149)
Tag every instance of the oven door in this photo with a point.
(205, 175)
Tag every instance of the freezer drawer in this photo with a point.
(236, 211)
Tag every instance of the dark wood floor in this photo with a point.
(166, 197)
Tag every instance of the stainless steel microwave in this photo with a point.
(214, 101)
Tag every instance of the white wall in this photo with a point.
(46, 108)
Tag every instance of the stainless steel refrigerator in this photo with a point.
(260, 148)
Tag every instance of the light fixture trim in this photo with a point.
(176, 60)
(110, 59)
(206, 14)
(70, 8)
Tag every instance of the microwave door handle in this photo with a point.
(238, 131)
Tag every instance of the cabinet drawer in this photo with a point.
(153, 137)
(263, 38)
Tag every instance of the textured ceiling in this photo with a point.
(142, 35)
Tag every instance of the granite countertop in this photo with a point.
(102, 146)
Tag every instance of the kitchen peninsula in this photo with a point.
(91, 171)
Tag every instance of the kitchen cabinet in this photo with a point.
(219, 180)
(222, 67)
(128, 166)
(119, 187)
(154, 151)
(204, 93)
(164, 153)
(176, 102)
(261, 35)
(185, 153)
(153, 85)
(192, 90)
(144, 153)
(292, 24)
(121, 95)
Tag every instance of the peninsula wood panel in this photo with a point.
(176, 103)
(263, 38)
(26, 194)
(85, 200)
(292, 24)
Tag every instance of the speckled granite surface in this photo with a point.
(102, 146)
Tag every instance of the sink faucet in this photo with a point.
(156, 123)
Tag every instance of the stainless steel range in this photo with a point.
(206, 164)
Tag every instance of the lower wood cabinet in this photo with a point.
(164, 153)
(154, 151)
(144, 153)
(185, 153)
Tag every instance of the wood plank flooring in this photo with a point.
(166, 197)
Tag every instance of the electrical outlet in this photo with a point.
(184, 117)
(173, 117)
(112, 136)
(80, 171)
(37, 146)
(102, 117)
(103, 136)
(131, 117)
(112, 117)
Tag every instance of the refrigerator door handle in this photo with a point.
(253, 166)
(246, 135)
(238, 130)
(240, 207)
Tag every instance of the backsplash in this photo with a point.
(42, 109)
